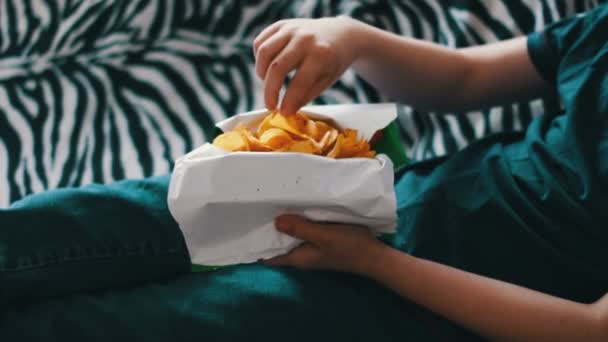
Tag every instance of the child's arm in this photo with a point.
(419, 73)
(492, 308)
(431, 76)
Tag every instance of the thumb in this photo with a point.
(302, 229)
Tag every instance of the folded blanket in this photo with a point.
(96, 237)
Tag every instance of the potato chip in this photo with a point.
(329, 139)
(232, 141)
(265, 124)
(322, 128)
(294, 124)
(303, 146)
(255, 144)
(296, 133)
(352, 146)
(335, 151)
(312, 130)
(276, 138)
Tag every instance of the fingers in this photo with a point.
(281, 260)
(268, 51)
(265, 34)
(316, 90)
(277, 71)
(293, 100)
(298, 94)
(303, 256)
(304, 229)
(288, 45)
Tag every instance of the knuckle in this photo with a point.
(256, 42)
(275, 67)
(262, 51)
(289, 29)
(324, 50)
(308, 36)
(305, 38)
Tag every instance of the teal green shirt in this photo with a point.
(530, 208)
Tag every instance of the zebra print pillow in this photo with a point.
(99, 90)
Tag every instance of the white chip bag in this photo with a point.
(225, 202)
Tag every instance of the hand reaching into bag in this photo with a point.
(319, 49)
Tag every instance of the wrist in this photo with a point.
(373, 260)
(384, 262)
(357, 36)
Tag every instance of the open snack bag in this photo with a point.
(317, 163)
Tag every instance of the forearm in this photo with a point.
(431, 76)
(494, 309)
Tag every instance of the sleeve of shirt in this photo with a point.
(548, 49)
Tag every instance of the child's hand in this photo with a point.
(334, 247)
(320, 49)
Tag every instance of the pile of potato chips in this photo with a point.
(296, 133)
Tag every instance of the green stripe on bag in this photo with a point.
(391, 145)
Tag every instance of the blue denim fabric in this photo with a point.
(90, 238)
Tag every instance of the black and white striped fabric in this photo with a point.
(100, 90)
